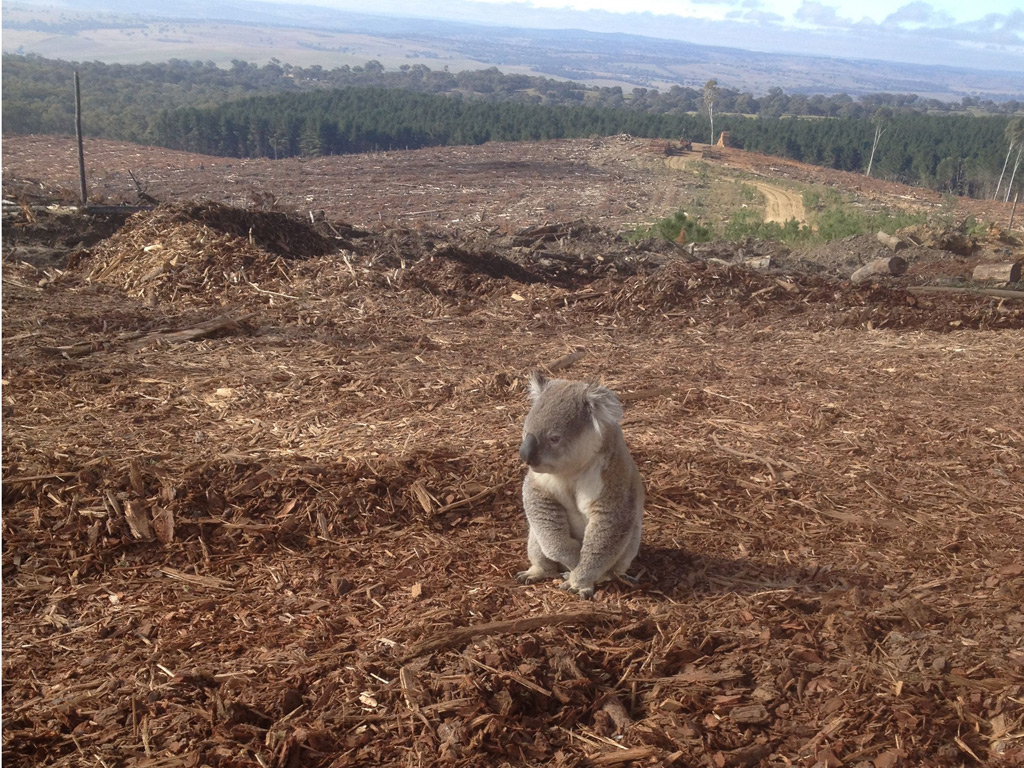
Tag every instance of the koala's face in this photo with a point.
(560, 433)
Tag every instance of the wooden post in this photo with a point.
(1009, 227)
(78, 134)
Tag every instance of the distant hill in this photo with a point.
(309, 35)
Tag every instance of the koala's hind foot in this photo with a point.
(633, 581)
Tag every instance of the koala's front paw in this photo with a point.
(585, 591)
(633, 581)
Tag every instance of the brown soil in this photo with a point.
(260, 484)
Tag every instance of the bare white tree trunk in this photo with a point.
(1009, 150)
(879, 130)
(1016, 164)
(710, 97)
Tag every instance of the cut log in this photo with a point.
(759, 262)
(1003, 273)
(888, 266)
(893, 242)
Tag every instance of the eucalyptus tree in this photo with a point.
(710, 97)
(1015, 140)
(881, 120)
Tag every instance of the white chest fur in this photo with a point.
(577, 493)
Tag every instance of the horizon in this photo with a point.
(893, 47)
(916, 32)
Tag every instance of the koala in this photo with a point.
(583, 495)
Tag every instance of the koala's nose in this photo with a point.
(528, 448)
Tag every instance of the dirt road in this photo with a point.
(781, 204)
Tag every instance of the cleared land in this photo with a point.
(260, 482)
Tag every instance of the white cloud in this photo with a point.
(996, 29)
(918, 13)
(819, 14)
(759, 17)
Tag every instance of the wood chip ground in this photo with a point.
(260, 506)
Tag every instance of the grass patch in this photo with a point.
(831, 215)
(836, 219)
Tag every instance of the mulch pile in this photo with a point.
(261, 506)
(202, 248)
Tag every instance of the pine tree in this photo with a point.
(1014, 136)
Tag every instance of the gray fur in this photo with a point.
(583, 494)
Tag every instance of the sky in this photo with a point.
(828, 13)
(983, 34)
(976, 34)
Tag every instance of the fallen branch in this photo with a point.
(643, 394)
(190, 578)
(622, 757)
(209, 328)
(566, 361)
(848, 517)
(776, 475)
(140, 191)
(69, 351)
(526, 683)
(115, 209)
(458, 636)
(999, 293)
(471, 499)
(34, 478)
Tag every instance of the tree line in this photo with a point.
(200, 107)
(959, 154)
(121, 100)
(352, 120)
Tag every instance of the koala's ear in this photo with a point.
(603, 404)
(538, 382)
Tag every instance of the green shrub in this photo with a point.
(812, 199)
(839, 221)
(750, 223)
(670, 227)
